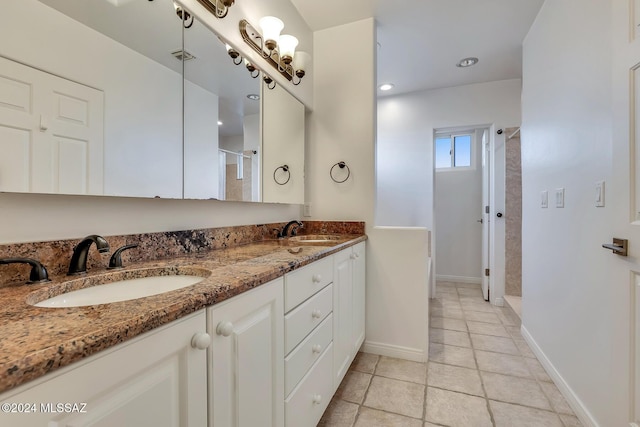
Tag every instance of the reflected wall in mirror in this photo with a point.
(91, 98)
(221, 123)
(283, 141)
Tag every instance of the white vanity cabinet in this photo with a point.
(348, 308)
(246, 359)
(308, 342)
(156, 379)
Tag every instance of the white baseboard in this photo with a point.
(396, 351)
(459, 279)
(572, 399)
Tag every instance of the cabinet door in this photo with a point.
(246, 375)
(359, 297)
(158, 379)
(342, 315)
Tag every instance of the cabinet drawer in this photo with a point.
(302, 283)
(302, 320)
(304, 355)
(307, 402)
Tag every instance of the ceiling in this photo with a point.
(422, 40)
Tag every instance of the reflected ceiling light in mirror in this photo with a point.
(253, 96)
(185, 17)
(220, 123)
(386, 86)
(278, 50)
(467, 62)
(219, 8)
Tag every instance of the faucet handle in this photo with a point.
(116, 258)
(38, 271)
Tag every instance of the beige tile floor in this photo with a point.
(481, 372)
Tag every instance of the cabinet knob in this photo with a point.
(317, 399)
(316, 278)
(224, 328)
(316, 314)
(201, 341)
(317, 348)
(353, 256)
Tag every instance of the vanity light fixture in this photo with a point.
(234, 54)
(278, 50)
(252, 69)
(467, 62)
(269, 81)
(219, 8)
(185, 17)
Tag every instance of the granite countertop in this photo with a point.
(35, 341)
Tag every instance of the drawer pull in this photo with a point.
(201, 341)
(224, 328)
(317, 399)
(353, 256)
(316, 278)
(316, 314)
(317, 348)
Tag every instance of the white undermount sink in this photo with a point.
(121, 290)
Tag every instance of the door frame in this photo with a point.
(496, 233)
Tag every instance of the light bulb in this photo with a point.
(287, 48)
(271, 27)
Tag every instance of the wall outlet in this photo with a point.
(559, 197)
(600, 194)
(544, 199)
(306, 210)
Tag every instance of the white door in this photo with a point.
(623, 199)
(52, 131)
(246, 359)
(486, 217)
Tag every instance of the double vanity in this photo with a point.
(264, 336)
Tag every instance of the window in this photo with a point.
(453, 151)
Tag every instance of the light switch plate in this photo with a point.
(306, 211)
(600, 194)
(559, 197)
(544, 199)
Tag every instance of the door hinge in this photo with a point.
(486, 272)
(486, 209)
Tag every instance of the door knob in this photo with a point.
(201, 341)
(499, 214)
(224, 328)
(619, 246)
(481, 221)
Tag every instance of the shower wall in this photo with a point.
(513, 215)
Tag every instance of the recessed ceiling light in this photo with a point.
(385, 86)
(219, 123)
(467, 62)
(253, 96)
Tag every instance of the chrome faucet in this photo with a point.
(78, 264)
(38, 272)
(285, 229)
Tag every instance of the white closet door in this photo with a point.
(51, 133)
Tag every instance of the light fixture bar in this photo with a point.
(219, 8)
(253, 38)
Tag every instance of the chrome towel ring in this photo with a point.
(341, 165)
(285, 169)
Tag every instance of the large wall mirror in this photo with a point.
(92, 94)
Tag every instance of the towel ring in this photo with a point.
(284, 168)
(341, 165)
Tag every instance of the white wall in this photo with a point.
(201, 161)
(143, 151)
(342, 128)
(458, 206)
(566, 142)
(405, 141)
